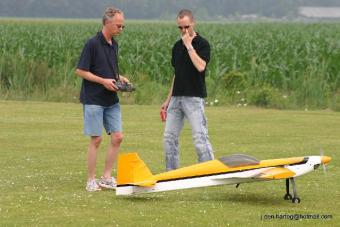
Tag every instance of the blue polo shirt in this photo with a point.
(101, 59)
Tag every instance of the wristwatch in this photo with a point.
(190, 49)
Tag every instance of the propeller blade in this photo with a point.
(322, 161)
(324, 169)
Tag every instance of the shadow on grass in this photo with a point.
(254, 198)
(204, 196)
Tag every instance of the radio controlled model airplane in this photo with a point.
(134, 177)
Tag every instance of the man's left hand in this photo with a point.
(123, 79)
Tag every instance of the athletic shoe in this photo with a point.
(92, 186)
(109, 183)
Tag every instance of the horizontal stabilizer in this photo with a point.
(275, 173)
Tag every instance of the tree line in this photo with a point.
(157, 9)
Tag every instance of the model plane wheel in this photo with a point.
(288, 197)
(296, 200)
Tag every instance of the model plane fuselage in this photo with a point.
(134, 177)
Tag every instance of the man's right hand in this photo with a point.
(109, 84)
(164, 108)
(165, 105)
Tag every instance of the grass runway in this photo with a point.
(43, 168)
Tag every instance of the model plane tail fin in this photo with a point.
(133, 171)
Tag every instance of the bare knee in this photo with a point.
(117, 138)
(96, 140)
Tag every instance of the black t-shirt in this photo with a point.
(101, 59)
(188, 80)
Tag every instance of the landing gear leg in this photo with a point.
(295, 199)
(287, 195)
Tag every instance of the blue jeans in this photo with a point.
(191, 108)
(95, 117)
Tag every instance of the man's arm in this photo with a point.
(198, 62)
(167, 101)
(107, 83)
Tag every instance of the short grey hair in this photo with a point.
(110, 12)
(185, 12)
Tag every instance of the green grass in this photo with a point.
(43, 168)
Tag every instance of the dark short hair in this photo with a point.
(110, 12)
(185, 12)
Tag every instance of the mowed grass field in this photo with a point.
(43, 168)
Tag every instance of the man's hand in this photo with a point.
(109, 84)
(165, 105)
(187, 39)
(163, 110)
(123, 79)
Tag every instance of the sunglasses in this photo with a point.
(183, 27)
(119, 26)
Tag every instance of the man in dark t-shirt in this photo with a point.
(190, 56)
(98, 66)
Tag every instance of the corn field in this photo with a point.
(277, 65)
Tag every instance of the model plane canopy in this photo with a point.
(239, 160)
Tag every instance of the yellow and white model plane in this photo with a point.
(134, 176)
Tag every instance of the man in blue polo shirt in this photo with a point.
(190, 56)
(98, 66)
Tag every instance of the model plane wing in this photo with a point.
(275, 173)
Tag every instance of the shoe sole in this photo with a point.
(106, 186)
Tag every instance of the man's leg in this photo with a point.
(111, 156)
(93, 123)
(194, 112)
(173, 125)
(92, 156)
(113, 127)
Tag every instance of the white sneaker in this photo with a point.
(92, 186)
(109, 183)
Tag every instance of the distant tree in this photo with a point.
(156, 9)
